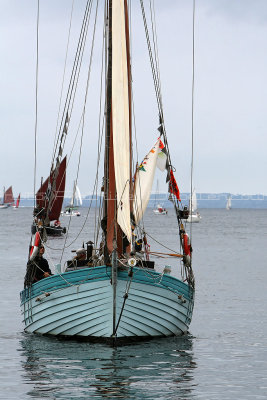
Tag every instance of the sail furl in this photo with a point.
(120, 117)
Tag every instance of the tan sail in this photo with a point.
(120, 116)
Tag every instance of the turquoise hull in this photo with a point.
(80, 304)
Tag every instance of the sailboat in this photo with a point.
(76, 201)
(3, 205)
(49, 200)
(118, 292)
(8, 198)
(229, 203)
(194, 215)
(159, 209)
(16, 206)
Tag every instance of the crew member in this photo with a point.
(42, 266)
(37, 269)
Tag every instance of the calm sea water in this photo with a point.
(223, 357)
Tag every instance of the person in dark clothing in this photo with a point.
(42, 268)
(80, 255)
(37, 269)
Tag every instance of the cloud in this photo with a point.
(246, 11)
(229, 101)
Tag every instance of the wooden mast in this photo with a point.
(127, 30)
(109, 173)
(116, 240)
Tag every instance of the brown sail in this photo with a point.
(42, 195)
(8, 196)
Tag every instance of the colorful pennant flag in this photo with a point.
(173, 187)
(162, 157)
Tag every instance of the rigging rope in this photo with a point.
(74, 77)
(63, 78)
(36, 101)
(155, 240)
(192, 134)
(100, 138)
(83, 115)
(70, 97)
(162, 129)
(156, 78)
(81, 123)
(155, 45)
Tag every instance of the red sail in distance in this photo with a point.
(41, 198)
(17, 202)
(8, 196)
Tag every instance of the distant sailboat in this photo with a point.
(159, 209)
(229, 203)
(8, 198)
(3, 205)
(76, 201)
(194, 215)
(16, 206)
(47, 210)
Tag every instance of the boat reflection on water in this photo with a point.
(68, 369)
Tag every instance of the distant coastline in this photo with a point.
(204, 200)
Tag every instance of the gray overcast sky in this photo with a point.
(230, 91)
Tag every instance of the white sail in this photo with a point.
(78, 196)
(73, 196)
(144, 181)
(229, 203)
(120, 116)
(193, 202)
(76, 199)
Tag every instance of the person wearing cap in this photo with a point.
(80, 260)
(42, 266)
(80, 255)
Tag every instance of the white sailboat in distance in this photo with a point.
(76, 201)
(159, 209)
(229, 203)
(194, 215)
